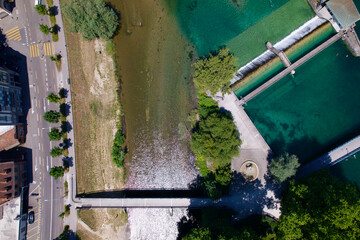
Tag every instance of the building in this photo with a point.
(10, 98)
(12, 176)
(5, 8)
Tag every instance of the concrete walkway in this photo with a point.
(253, 145)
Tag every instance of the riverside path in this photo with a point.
(292, 67)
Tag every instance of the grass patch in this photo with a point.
(50, 3)
(251, 43)
(110, 47)
(52, 20)
(55, 37)
(66, 188)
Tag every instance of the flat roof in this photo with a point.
(344, 11)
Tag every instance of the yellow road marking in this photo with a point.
(60, 191)
(38, 53)
(25, 7)
(36, 75)
(41, 132)
(12, 30)
(38, 92)
(32, 228)
(14, 36)
(42, 150)
(45, 49)
(49, 48)
(18, 38)
(43, 176)
(33, 235)
(43, 165)
(30, 51)
(40, 120)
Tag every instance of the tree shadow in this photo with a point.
(66, 127)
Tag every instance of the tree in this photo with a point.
(223, 175)
(44, 28)
(41, 9)
(53, 98)
(52, 116)
(117, 152)
(57, 172)
(284, 167)
(91, 18)
(55, 134)
(216, 138)
(56, 152)
(55, 58)
(65, 235)
(320, 207)
(214, 73)
(201, 233)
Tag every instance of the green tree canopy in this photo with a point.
(55, 134)
(320, 207)
(52, 116)
(216, 138)
(53, 98)
(56, 152)
(284, 167)
(91, 18)
(214, 73)
(41, 9)
(57, 172)
(117, 152)
(44, 28)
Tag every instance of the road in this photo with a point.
(23, 35)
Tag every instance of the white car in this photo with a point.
(37, 2)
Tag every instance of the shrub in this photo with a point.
(44, 28)
(117, 153)
(53, 97)
(55, 134)
(41, 9)
(56, 172)
(55, 37)
(91, 18)
(52, 116)
(284, 167)
(56, 152)
(67, 210)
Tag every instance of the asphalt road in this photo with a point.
(23, 35)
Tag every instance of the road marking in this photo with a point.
(11, 30)
(25, 7)
(44, 105)
(42, 148)
(36, 75)
(45, 50)
(34, 50)
(47, 163)
(38, 90)
(33, 235)
(43, 176)
(39, 102)
(48, 49)
(41, 132)
(42, 158)
(39, 146)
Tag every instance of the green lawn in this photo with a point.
(251, 43)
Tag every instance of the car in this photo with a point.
(37, 2)
(31, 217)
(34, 194)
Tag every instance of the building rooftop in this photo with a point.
(344, 11)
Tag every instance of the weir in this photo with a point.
(291, 67)
(279, 53)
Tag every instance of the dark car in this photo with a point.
(31, 217)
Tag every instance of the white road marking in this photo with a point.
(36, 164)
(47, 163)
(44, 106)
(38, 131)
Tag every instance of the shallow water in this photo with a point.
(316, 110)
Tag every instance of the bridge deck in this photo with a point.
(292, 67)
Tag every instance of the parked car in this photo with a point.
(31, 217)
(34, 194)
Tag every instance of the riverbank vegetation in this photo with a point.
(284, 167)
(214, 140)
(316, 207)
(215, 72)
(91, 18)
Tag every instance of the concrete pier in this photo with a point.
(279, 53)
(352, 41)
(292, 67)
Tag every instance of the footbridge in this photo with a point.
(333, 157)
(292, 67)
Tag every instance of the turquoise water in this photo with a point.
(348, 169)
(209, 24)
(316, 110)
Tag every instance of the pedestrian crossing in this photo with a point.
(48, 49)
(14, 34)
(34, 50)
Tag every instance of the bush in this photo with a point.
(223, 175)
(55, 134)
(52, 116)
(55, 37)
(117, 153)
(57, 172)
(53, 97)
(63, 109)
(44, 29)
(67, 210)
(284, 167)
(91, 18)
(56, 152)
(62, 93)
(41, 9)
